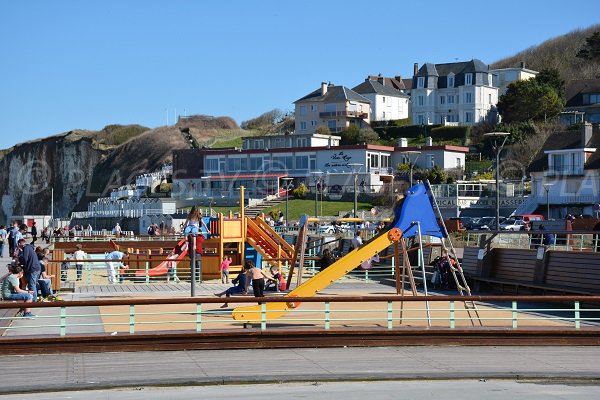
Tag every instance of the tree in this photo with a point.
(264, 121)
(367, 135)
(350, 135)
(551, 77)
(591, 48)
(323, 130)
(529, 100)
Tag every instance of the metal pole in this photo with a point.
(497, 187)
(316, 206)
(547, 203)
(286, 206)
(423, 270)
(410, 178)
(192, 252)
(355, 195)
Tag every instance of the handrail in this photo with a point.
(315, 299)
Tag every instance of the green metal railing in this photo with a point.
(391, 312)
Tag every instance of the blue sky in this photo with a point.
(85, 64)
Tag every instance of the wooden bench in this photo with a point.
(564, 272)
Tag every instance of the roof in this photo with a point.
(335, 94)
(247, 176)
(445, 147)
(374, 86)
(575, 88)
(396, 82)
(456, 68)
(567, 140)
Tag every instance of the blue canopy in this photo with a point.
(417, 205)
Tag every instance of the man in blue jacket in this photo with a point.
(31, 265)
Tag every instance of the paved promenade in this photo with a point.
(107, 370)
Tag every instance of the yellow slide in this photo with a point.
(323, 279)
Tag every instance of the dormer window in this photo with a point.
(451, 81)
(594, 98)
(468, 79)
(421, 82)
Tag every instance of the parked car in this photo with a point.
(529, 217)
(512, 224)
(333, 228)
(486, 224)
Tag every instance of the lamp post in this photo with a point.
(547, 187)
(317, 175)
(288, 186)
(355, 173)
(411, 165)
(497, 147)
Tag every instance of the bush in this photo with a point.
(300, 191)
(451, 132)
(323, 130)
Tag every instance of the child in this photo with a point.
(12, 291)
(193, 221)
(257, 277)
(225, 269)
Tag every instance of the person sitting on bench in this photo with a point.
(12, 291)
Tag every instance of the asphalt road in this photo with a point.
(219, 367)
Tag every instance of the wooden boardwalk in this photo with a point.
(201, 288)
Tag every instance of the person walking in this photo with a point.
(115, 258)
(257, 277)
(79, 256)
(34, 233)
(225, 269)
(31, 265)
(3, 236)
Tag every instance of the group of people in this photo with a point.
(28, 262)
(259, 279)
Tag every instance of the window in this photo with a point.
(450, 99)
(330, 107)
(256, 163)
(458, 162)
(302, 110)
(431, 160)
(212, 164)
(442, 99)
(451, 81)
(384, 115)
(468, 98)
(385, 161)
(313, 162)
(331, 125)
(565, 164)
(468, 117)
(302, 125)
(237, 164)
(490, 98)
(468, 79)
(282, 163)
(490, 80)
(383, 99)
(303, 142)
(420, 119)
(301, 162)
(313, 123)
(374, 159)
(313, 108)
(421, 82)
(420, 100)
(595, 98)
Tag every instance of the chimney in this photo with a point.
(522, 64)
(323, 88)
(428, 141)
(586, 134)
(415, 68)
(381, 80)
(403, 142)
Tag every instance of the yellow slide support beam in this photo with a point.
(322, 280)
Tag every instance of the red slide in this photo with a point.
(163, 267)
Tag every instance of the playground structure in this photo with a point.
(414, 215)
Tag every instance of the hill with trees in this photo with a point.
(559, 53)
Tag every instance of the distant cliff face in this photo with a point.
(31, 170)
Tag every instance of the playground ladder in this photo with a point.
(460, 280)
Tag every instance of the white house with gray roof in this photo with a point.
(336, 107)
(461, 93)
(387, 103)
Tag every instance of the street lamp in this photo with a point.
(547, 187)
(497, 136)
(288, 186)
(317, 175)
(412, 165)
(355, 173)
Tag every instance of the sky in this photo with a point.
(68, 65)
